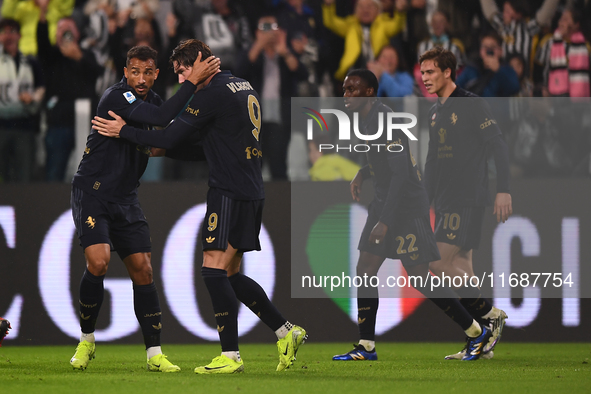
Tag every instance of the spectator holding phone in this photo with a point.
(489, 76)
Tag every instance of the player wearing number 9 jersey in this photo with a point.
(225, 116)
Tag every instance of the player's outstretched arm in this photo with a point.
(109, 128)
(167, 138)
(503, 207)
(147, 113)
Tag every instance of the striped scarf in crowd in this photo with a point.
(569, 68)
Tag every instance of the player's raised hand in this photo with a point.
(503, 207)
(108, 128)
(356, 187)
(202, 70)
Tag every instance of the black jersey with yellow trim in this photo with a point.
(456, 171)
(226, 116)
(111, 167)
(394, 171)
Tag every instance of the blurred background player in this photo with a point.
(230, 136)
(398, 224)
(4, 327)
(462, 133)
(105, 205)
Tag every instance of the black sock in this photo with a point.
(225, 306)
(472, 299)
(447, 300)
(367, 309)
(148, 313)
(92, 292)
(251, 294)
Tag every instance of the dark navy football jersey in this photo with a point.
(396, 177)
(111, 167)
(456, 171)
(226, 115)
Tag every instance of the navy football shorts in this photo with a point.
(122, 226)
(461, 227)
(412, 241)
(237, 222)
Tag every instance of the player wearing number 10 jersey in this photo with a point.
(462, 134)
(225, 115)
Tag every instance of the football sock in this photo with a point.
(148, 313)
(472, 299)
(92, 291)
(447, 300)
(153, 351)
(251, 294)
(367, 309)
(225, 306)
(474, 330)
(282, 331)
(87, 337)
(368, 345)
(234, 355)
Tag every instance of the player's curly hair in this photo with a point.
(143, 53)
(187, 51)
(442, 58)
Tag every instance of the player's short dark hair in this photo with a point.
(187, 51)
(143, 53)
(366, 76)
(11, 23)
(442, 58)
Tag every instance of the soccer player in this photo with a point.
(462, 133)
(398, 223)
(105, 205)
(226, 115)
(4, 327)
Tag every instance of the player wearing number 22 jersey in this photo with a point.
(225, 115)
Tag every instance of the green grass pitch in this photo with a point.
(402, 368)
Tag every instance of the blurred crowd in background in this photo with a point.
(57, 54)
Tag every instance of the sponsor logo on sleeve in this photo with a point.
(129, 97)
